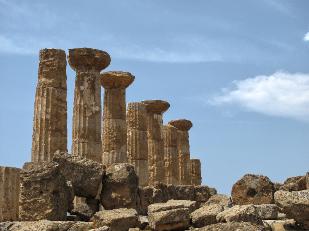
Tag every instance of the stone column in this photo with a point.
(86, 137)
(196, 178)
(9, 194)
(183, 127)
(155, 110)
(171, 169)
(137, 146)
(114, 134)
(50, 107)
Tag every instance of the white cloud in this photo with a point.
(280, 94)
(306, 37)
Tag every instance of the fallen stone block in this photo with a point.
(234, 226)
(206, 215)
(296, 183)
(267, 211)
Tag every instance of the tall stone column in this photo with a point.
(114, 134)
(50, 107)
(183, 127)
(137, 146)
(86, 137)
(155, 110)
(9, 193)
(171, 169)
(195, 169)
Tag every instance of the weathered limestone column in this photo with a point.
(137, 146)
(183, 127)
(170, 155)
(86, 137)
(196, 178)
(9, 193)
(114, 134)
(155, 110)
(50, 107)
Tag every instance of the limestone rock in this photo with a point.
(267, 211)
(295, 205)
(86, 209)
(103, 228)
(233, 226)
(117, 219)
(172, 204)
(296, 183)
(120, 187)
(206, 215)
(84, 174)
(187, 192)
(220, 199)
(239, 213)
(44, 194)
(203, 193)
(281, 225)
(253, 189)
(307, 180)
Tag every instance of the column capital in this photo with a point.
(156, 106)
(181, 124)
(116, 79)
(88, 59)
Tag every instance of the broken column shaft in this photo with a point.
(183, 145)
(86, 137)
(137, 146)
(9, 194)
(155, 110)
(195, 172)
(114, 132)
(50, 107)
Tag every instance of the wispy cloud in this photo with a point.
(281, 94)
(306, 37)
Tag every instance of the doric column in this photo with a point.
(9, 193)
(137, 146)
(155, 110)
(195, 169)
(114, 133)
(171, 169)
(50, 107)
(86, 137)
(183, 127)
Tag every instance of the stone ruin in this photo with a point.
(127, 170)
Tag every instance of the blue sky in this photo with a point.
(238, 69)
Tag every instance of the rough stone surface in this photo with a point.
(307, 180)
(114, 132)
(84, 210)
(84, 174)
(203, 193)
(172, 204)
(253, 189)
(233, 226)
(184, 192)
(120, 187)
(239, 213)
(282, 225)
(267, 211)
(295, 205)
(220, 199)
(86, 137)
(195, 172)
(9, 193)
(50, 106)
(44, 194)
(296, 183)
(206, 215)
(117, 219)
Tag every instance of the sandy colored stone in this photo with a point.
(114, 131)
(281, 225)
(234, 226)
(307, 180)
(253, 189)
(296, 183)
(50, 106)
(171, 162)
(203, 193)
(267, 211)
(172, 204)
(9, 193)
(117, 219)
(220, 199)
(195, 172)
(239, 213)
(141, 170)
(86, 137)
(206, 215)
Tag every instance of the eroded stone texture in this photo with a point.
(86, 137)
(9, 193)
(183, 145)
(296, 183)
(114, 132)
(253, 189)
(234, 226)
(137, 146)
(195, 172)
(50, 107)
(171, 170)
(155, 110)
(206, 215)
(44, 193)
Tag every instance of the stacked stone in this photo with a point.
(114, 134)
(86, 137)
(195, 172)
(9, 193)
(50, 107)
(137, 147)
(183, 145)
(155, 110)
(171, 169)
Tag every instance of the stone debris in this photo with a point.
(220, 199)
(240, 213)
(233, 226)
(206, 215)
(267, 211)
(296, 183)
